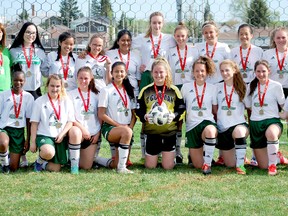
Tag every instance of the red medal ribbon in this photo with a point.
(86, 106)
(124, 99)
(213, 51)
(244, 64)
(1, 59)
(53, 106)
(128, 59)
(17, 109)
(160, 100)
(280, 65)
(261, 99)
(199, 101)
(28, 61)
(65, 69)
(182, 63)
(156, 52)
(228, 101)
(99, 58)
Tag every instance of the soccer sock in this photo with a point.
(272, 149)
(178, 142)
(209, 146)
(105, 162)
(123, 154)
(112, 149)
(4, 159)
(42, 162)
(99, 142)
(142, 141)
(240, 150)
(74, 154)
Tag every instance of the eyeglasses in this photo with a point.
(30, 33)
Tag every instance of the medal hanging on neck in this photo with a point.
(28, 60)
(228, 100)
(281, 64)
(86, 105)
(244, 64)
(160, 99)
(155, 51)
(182, 63)
(261, 99)
(127, 62)
(65, 69)
(99, 58)
(58, 114)
(213, 51)
(200, 100)
(123, 98)
(17, 109)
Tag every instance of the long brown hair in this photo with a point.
(238, 82)
(209, 65)
(255, 81)
(157, 13)
(3, 41)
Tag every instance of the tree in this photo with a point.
(69, 11)
(95, 8)
(24, 15)
(207, 12)
(101, 8)
(240, 8)
(258, 13)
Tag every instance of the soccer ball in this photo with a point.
(160, 115)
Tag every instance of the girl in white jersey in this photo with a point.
(97, 61)
(51, 127)
(15, 110)
(85, 101)
(116, 110)
(231, 123)
(62, 61)
(200, 98)
(264, 97)
(213, 49)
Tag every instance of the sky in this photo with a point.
(139, 9)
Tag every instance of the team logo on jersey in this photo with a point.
(8, 100)
(174, 54)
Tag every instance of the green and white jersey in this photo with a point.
(5, 72)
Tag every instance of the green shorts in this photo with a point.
(225, 139)
(258, 129)
(61, 154)
(16, 139)
(193, 136)
(146, 79)
(105, 130)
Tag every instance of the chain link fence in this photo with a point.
(134, 15)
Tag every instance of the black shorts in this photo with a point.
(85, 143)
(156, 144)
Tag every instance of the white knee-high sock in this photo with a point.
(105, 162)
(209, 146)
(240, 150)
(272, 149)
(4, 159)
(74, 154)
(123, 155)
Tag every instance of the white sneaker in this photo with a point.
(23, 163)
(125, 171)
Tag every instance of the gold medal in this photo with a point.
(86, 117)
(58, 125)
(281, 76)
(17, 123)
(183, 75)
(261, 112)
(126, 113)
(200, 113)
(229, 113)
(244, 75)
(66, 85)
(28, 74)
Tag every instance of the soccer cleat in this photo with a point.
(37, 167)
(253, 162)
(124, 171)
(179, 159)
(6, 169)
(129, 163)
(272, 170)
(206, 169)
(23, 163)
(241, 170)
(282, 159)
(74, 170)
(220, 161)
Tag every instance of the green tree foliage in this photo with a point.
(69, 11)
(207, 12)
(259, 14)
(95, 8)
(24, 15)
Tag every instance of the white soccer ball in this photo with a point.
(160, 115)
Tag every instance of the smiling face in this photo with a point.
(200, 73)
(227, 72)
(84, 78)
(67, 46)
(262, 73)
(245, 36)
(159, 74)
(54, 88)
(210, 34)
(124, 43)
(280, 38)
(96, 46)
(30, 35)
(119, 73)
(18, 82)
(181, 37)
(156, 24)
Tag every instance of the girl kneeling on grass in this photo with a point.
(116, 110)
(160, 93)
(231, 123)
(15, 110)
(264, 96)
(201, 104)
(51, 127)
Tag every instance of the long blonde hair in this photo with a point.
(162, 61)
(56, 77)
(272, 42)
(157, 13)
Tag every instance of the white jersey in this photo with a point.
(88, 119)
(33, 74)
(144, 45)
(274, 96)
(276, 74)
(255, 55)
(111, 100)
(192, 108)
(134, 73)
(55, 67)
(7, 113)
(180, 77)
(44, 114)
(98, 70)
(237, 108)
(222, 51)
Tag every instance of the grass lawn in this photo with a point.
(182, 191)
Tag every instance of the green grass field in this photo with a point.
(182, 191)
